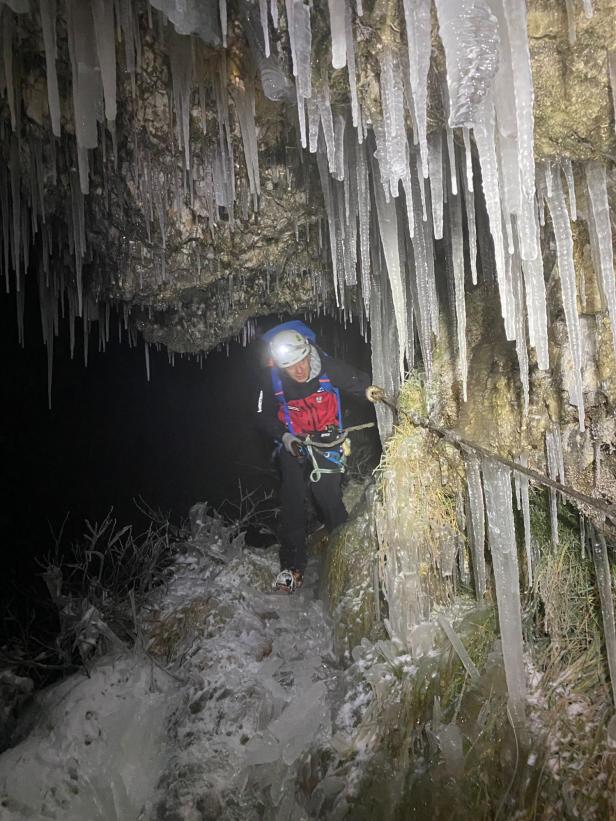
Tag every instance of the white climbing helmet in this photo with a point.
(288, 348)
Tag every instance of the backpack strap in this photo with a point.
(326, 384)
(280, 398)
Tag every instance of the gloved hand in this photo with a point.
(291, 443)
(375, 394)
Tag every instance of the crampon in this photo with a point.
(287, 581)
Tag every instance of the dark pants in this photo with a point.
(327, 493)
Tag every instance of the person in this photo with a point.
(304, 398)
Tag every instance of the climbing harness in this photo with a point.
(335, 451)
(309, 417)
(453, 438)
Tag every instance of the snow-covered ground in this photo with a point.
(217, 718)
(96, 747)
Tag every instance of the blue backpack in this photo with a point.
(324, 381)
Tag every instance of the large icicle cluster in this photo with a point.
(383, 218)
(397, 197)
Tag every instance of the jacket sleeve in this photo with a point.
(266, 413)
(350, 380)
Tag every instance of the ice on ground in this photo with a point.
(97, 749)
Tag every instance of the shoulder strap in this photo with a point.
(280, 398)
(326, 384)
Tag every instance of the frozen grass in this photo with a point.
(570, 699)
(416, 519)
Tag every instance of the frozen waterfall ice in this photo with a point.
(469, 32)
(501, 537)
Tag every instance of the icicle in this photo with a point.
(146, 349)
(338, 32)
(48, 22)
(451, 153)
(339, 125)
(555, 469)
(525, 503)
(350, 48)
(457, 262)
(520, 327)
(419, 38)
(180, 57)
(86, 82)
(274, 12)
(385, 345)
(326, 187)
(476, 523)
(363, 197)
(222, 7)
(604, 585)
(600, 227)
(79, 237)
(484, 138)
(459, 647)
(501, 536)
(422, 191)
(468, 154)
(302, 45)
(392, 143)
(325, 111)
(102, 12)
(469, 33)
(388, 228)
(424, 303)
(534, 284)
(611, 66)
(8, 25)
(435, 160)
(265, 25)
(406, 259)
(314, 121)
(568, 169)
(16, 206)
(515, 13)
(469, 202)
(566, 269)
(245, 109)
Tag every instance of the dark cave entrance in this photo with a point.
(111, 436)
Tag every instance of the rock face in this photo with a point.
(573, 102)
(199, 176)
(187, 248)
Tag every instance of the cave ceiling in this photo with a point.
(197, 165)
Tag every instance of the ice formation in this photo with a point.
(600, 229)
(501, 538)
(486, 49)
(566, 269)
(476, 523)
(419, 39)
(393, 194)
(606, 597)
(555, 470)
(469, 32)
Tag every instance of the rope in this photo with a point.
(343, 435)
(317, 471)
(458, 441)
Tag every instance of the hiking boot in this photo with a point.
(288, 580)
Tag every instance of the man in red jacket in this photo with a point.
(304, 399)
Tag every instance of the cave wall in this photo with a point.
(185, 199)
